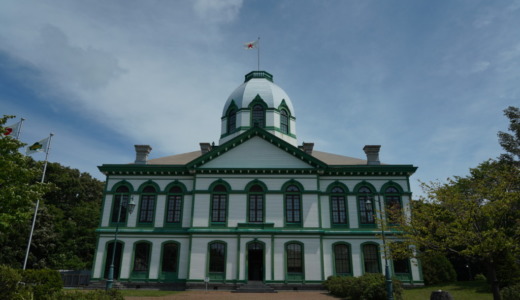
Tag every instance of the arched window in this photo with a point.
(342, 259)
(284, 121)
(170, 254)
(393, 205)
(258, 116)
(217, 260)
(366, 206)
(121, 199)
(142, 257)
(256, 204)
(371, 258)
(174, 206)
(232, 121)
(294, 254)
(117, 258)
(146, 209)
(219, 205)
(293, 205)
(338, 206)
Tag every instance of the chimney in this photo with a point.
(205, 148)
(307, 147)
(372, 152)
(141, 153)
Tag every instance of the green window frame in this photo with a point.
(371, 258)
(141, 261)
(366, 206)
(256, 204)
(342, 259)
(393, 205)
(232, 121)
(338, 207)
(122, 194)
(174, 203)
(293, 205)
(170, 257)
(217, 260)
(219, 199)
(147, 205)
(258, 116)
(284, 121)
(294, 261)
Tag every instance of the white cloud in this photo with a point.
(217, 11)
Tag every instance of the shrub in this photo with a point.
(43, 283)
(511, 292)
(437, 269)
(366, 287)
(91, 295)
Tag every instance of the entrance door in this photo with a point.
(255, 261)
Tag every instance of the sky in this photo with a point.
(426, 80)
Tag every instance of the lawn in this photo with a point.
(146, 293)
(462, 290)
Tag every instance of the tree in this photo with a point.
(19, 190)
(511, 141)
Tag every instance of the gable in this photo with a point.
(256, 153)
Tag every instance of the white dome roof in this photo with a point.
(258, 83)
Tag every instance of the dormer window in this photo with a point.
(232, 121)
(284, 121)
(258, 116)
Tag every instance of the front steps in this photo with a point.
(254, 287)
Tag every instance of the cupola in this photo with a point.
(259, 102)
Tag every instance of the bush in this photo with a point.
(437, 269)
(511, 292)
(366, 287)
(43, 283)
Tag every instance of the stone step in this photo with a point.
(254, 287)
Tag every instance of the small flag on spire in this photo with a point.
(251, 45)
(12, 130)
(40, 146)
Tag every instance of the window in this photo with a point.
(366, 206)
(338, 206)
(371, 258)
(342, 259)
(218, 204)
(141, 257)
(401, 266)
(392, 205)
(294, 258)
(121, 198)
(258, 116)
(232, 121)
(147, 205)
(217, 259)
(256, 204)
(169, 259)
(284, 121)
(292, 205)
(174, 205)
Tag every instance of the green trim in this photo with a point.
(103, 202)
(349, 246)
(189, 257)
(122, 183)
(255, 225)
(258, 101)
(322, 259)
(272, 257)
(149, 182)
(234, 230)
(141, 275)
(237, 277)
(193, 201)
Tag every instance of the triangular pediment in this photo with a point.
(256, 149)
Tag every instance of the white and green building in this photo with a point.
(256, 207)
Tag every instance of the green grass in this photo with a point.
(463, 290)
(146, 293)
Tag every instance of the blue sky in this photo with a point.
(427, 80)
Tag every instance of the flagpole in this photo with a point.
(258, 53)
(37, 202)
(19, 129)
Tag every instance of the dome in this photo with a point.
(258, 83)
(259, 102)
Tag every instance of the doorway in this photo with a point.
(255, 261)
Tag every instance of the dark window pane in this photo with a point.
(218, 213)
(342, 259)
(147, 207)
(371, 257)
(258, 116)
(120, 203)
(401, 266)
(284, 122)
(232, 121)
(217, 258)
(294, 258)
(174, 209)
(339, 212)
(169, 259)
(141, 257)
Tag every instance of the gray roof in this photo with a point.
(328, 158)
